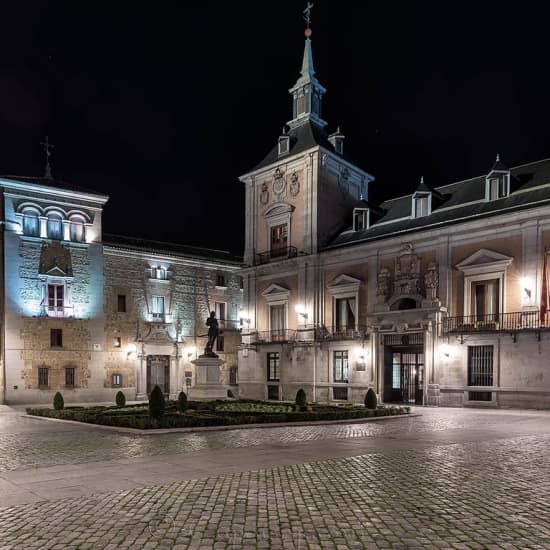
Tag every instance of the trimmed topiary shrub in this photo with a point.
(120, 399)
(230, 394)
(371, 402)
(301, 400)
(182, 401)
(58, 402)
(156, 403)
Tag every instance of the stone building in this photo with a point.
(88, 316)
(430, 298)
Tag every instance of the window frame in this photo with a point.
(56, 338)
(421, 196)
(69, 377)
(119, 302)
(273, 361)
(472, 375)
(43, 370)
(114, 375)
(344, 355)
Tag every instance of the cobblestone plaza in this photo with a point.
(450, 478)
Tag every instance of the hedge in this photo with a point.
(193, 418)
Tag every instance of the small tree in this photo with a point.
(156, 403)
(301, 400)
(120, 399)
(58, 402)
(182, 401)
(371, 402)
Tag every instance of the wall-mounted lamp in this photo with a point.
(445, 350)
(527, 289)
(301, 311)
(130, 349)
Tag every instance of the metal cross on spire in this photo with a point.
(47, 146)
(307, 17)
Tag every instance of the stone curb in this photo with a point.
(137, 431)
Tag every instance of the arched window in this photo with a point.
(77, 230)
(55, 227)
(31, 223)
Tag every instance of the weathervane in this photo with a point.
(47, 146)
(307, 18)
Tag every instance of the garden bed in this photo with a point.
(213, 413)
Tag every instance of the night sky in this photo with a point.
(163, 105)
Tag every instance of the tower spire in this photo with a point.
(307, 93)
(47, 146)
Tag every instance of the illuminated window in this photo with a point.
(116, 379)
(56, 300)
(116, 342)
(158, 308)
(54, 227)
(345, 310)
(77, 231)
(340, 366)
(69, 376)
(396, 371)
(159, 273)
(31, 224)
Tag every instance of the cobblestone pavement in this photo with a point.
(479, 479)
(484, 495)
(26, 442)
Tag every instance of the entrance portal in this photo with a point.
(158, 373)
(404, 373)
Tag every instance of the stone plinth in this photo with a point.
(208, 384)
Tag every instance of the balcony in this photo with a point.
(305, 334)
(276, 254)
(57, 311)
(503, 322)
(340, 333)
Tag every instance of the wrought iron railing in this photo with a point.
(340, 333)
(276, 254)
(496, 322)
(57, 311)
(274, 336)
(304, 334)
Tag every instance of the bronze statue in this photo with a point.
(213, 331)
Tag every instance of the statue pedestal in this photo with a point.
(208, 385)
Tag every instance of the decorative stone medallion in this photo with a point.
(279, 182)
(294, 184)
(264, 195)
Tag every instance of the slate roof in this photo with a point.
(173, 249)
(460, 201)
(54, 183)
(303, 137)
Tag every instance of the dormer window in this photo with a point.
(497, 186)
(421, 205)
(337, 141)
(360, 219)
(159, 273)
(284, 145)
